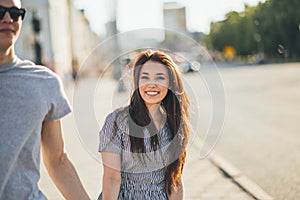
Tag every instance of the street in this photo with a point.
(261, 134)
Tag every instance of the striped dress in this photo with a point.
(143, 174)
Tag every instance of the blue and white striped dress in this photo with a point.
(143, 175)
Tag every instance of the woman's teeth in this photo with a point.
(152, 93)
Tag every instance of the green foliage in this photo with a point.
(272, 28)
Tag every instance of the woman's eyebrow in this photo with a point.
(158, 73)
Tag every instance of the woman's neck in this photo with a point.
(154, 111)
(156, 115)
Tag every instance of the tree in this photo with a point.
(279, 26)
(272, 27)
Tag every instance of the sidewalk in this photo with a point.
(203, 178)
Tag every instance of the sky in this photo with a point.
(136, 14)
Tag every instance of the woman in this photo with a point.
(143, 146)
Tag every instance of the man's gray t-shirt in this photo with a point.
(29, 95)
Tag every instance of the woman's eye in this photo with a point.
(144, 77)
(161, 78)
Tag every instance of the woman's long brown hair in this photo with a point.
(176, 107)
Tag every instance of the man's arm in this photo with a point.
(59, 167)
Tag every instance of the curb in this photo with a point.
(240, 179)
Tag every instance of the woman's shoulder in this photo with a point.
(119, 115)
(116, 120)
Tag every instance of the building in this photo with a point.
(174, 24)
(175, 16)
(61, 37)
(177, 36)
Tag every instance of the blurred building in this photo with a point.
(176, 32)
(84, 42)
(175, 24)
(56, 35)
(175, 16)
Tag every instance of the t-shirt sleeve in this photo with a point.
(59, 105)
(109, 136)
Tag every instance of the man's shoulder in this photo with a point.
(31, 69)
(31, 66)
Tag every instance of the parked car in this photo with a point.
(189, 66)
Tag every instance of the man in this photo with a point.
(32, 102)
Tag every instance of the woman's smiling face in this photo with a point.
(153, 83)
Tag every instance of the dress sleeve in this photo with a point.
(109, 136)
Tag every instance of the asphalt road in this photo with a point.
(261, 130)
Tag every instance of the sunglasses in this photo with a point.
(14, 12)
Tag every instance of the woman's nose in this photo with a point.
(151, 84)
